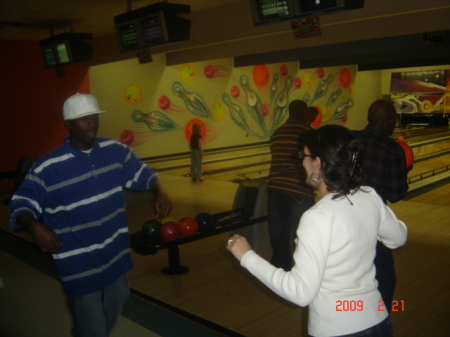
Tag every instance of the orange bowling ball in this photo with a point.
(188, 226)
(409, 154)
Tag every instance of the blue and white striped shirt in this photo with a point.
(80, 196)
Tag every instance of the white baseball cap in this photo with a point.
(80, 105)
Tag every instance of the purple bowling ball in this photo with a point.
(206, 222)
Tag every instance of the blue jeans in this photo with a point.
(385, 274)
(196, 164)
(382, 329)
(284, 213)
(96, 314)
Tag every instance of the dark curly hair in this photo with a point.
(340, 155)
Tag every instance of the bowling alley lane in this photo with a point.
(244, 162)
(183, 160)
(218, 280)
(412, 131)
(431, 148)
(217, 289)
(437, 133)
(433, 145)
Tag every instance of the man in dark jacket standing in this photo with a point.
(384, 167)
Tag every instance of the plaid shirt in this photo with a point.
(383, 163)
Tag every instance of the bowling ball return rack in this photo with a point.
(144, 244)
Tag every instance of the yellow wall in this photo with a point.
(218, 35)
(127, 88)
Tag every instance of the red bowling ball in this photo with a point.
(170, 231)
(409, 154)
(188, 227)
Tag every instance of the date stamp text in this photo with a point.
(359, 306)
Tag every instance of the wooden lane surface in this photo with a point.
(228, 172)
(436, 146)
(423, 270)
(412, 132)
(429, 165)
(217, 289)
(439, 196)
(209, 158)
(421, 138)
(420, 167)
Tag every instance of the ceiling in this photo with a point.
(39, 19)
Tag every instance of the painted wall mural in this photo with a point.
(418, 103)
(419, 91)
(234, 106)
(332, 95)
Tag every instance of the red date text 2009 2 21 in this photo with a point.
(359, 306)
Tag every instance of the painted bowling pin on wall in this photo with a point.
(254, 104)
(282, 104)
(330, 93)
(268, 114)
(155, 120)
(193, 101)
(251, 104)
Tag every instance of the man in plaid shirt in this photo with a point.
(384, 168)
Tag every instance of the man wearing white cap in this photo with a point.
(72, 203)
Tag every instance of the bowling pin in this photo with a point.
(236, 114)
(341, 111)
(193, 101)
(322, 88)
(333, 97)
(254, 104)
(306, 98)
(155, 120)
(282, 103)
(273, 88)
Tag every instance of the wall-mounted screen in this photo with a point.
(316, 5)
(266, 11)
(151, 30)
(272, 9)
(49, 57)
(63, 53)
(128, 36)
(65, 49)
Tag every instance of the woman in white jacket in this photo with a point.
(334, 272)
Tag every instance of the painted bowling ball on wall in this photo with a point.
(205, 222)
(170, 231)
(151, 227)
(188, 226)
(409, 154)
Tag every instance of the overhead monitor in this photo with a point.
(266, 11)
(316, 5)
(66, 48)
(270, 11)
(151, 26)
